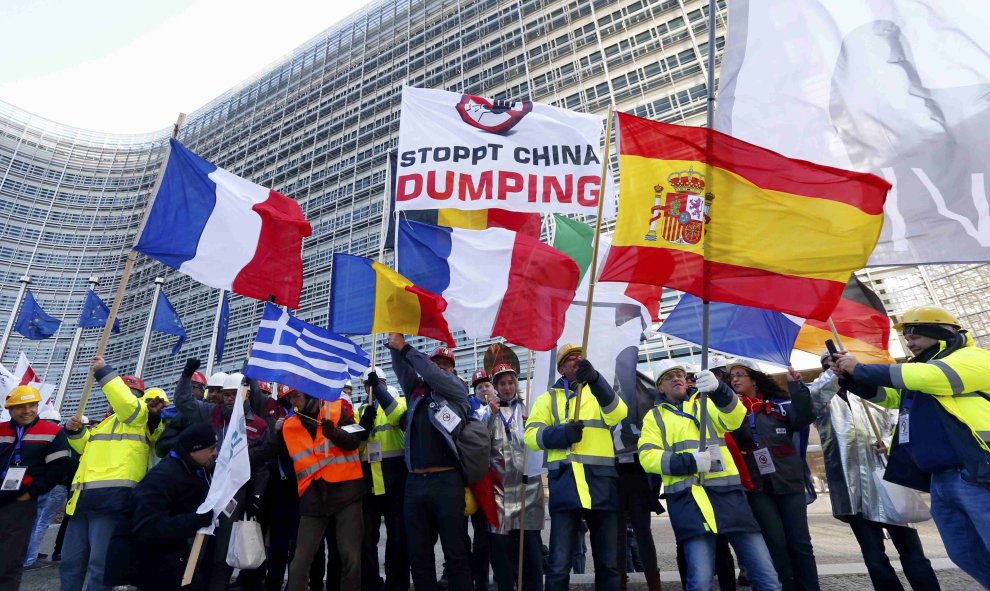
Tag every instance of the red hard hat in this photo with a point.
(284, 390)
(265, 386)
(443, 353)
(199, 378)
(478, 377)
(133, 382)
(501, 368)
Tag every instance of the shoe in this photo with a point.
(56, 557)
(42, 556)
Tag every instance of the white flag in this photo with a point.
(897, 88)
(233, 467)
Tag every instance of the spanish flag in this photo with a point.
(861, 321)
(366, 297)
(728, 221)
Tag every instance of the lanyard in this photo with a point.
(16, 456)
(681, 413)
(752, 428)
(567, 399)
(507, 424)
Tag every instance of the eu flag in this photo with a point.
(222, 328)
(33, 322)
(95, 313)
(167, 321)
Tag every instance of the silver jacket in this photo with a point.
(847, 446)
(508, 460)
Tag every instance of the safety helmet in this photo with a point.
(22, 395)
(265, 386)
(284, 390)
(667, 365)
(478, 377)
(716, 361)
(151, 393)
(348, 384)
(85, 420)
(442, 353)
(233, 381)
(566, 350)
(216, 380)
(50, 414)
(134, 383)
(743, 362)
(500, 369)
(199, 378)
(927, 315)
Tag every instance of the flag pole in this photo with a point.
(709, 123)
(593, 277)
(126, 275)
(25, 281)
(386, 216)
(146, 342)
(211, 359)
(63, 384)
(842, 349)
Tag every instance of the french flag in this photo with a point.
(496, 282)
(225, 231)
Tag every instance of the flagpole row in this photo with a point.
(126, 275)
(71, 359)
(593, 276)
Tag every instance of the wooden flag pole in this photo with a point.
(194, 553)
(522, 531)
(592, 278)
(866, 407)
(126, 275)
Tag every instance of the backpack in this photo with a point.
(474, 446)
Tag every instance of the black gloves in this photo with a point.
(192, 364)
(204, 519)
(328, 428)
(373, 379)
(368, 417)
(586, 373)
(252, 506)
(573, 431)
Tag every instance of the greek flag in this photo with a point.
(303, 356)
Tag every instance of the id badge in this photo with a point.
(764, 461)
(715, 451)
(374, 449)
(448, 418)
(13, 478)
(903, 428)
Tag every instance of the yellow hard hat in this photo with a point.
(566, 350)
(156, 393)
(22, 395)
(927, 315)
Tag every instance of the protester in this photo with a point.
(852, 454)
(51, 503)
(214, 386)
(114, 459)
(164, 511)
(776, 469)
(35, 456)
(383, 464)
(330, 485)
(942, 441)
(581, 464)
(434, 504)
(482, 391)
(702, 486)
(505, 416)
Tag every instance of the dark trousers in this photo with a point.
(917, 568)
(634, 508)
(725, 567)
(283, 517)
(783, 520)
(57, 550)
(16, 525)
(603, 527)
(349, 522)
(505, 560)
(434, 507)
(389, 507)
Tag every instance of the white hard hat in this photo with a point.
(668, 365)
(381, 374)
(50, 414)
(232, 381)
(348, 384)
(716, 361)
(85, 420)
(743, 362)
(216, 380)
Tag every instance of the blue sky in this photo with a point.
(132, 65)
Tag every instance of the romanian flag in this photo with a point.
(367, 297)
(728, 221)
(861, 321)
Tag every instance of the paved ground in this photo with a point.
(840, 562)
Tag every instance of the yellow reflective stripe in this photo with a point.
(57, 455)
(119, 437)
(645, 446)
(36, 437)
(583, 459)
(729, 407)
(984, 435)
(581, 483)
(705, 505)
(377, 479)
(120, 482)
(691, 444)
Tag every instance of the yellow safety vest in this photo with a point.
(387, 433)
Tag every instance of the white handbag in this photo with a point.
(900, 503)
(247, 545)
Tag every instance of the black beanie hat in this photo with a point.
(196, 437)
(939, 332)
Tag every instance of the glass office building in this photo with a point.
(318, 127)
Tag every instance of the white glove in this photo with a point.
(703, 460)
(706, 381)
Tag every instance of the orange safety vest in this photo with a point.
(310, 457)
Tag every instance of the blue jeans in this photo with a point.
(603, 527)
(49, 505)
(699, 552)
(85, 550)
(961, 510)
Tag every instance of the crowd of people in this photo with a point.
(477, 467)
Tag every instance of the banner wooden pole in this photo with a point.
(194, 553)
(522, 532)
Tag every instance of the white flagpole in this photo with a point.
(216, 331)
(25, 281)
(71, 359)
(710, 117)
(143, 356)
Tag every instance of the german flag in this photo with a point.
(861, 321)
(728, 221)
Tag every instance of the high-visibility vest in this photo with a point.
(315, 457)
(387, 433)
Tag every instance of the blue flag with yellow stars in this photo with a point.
(95, 312)
(33, 322)
(222, 329)
(167, 321)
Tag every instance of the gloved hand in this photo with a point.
(368, 417)
(192, 364)
(706, 381)
(373, 379)
(573, 431)
(204, 519)
(586, 373)
(327, 427)
(703, 460)
(252, 506)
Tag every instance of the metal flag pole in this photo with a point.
(71, 359)
(211, 359)
(709, 122)
(126, 275)
(386, 216)
(25, 281)
(866, 407)
(593, 277)
(143, 355)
